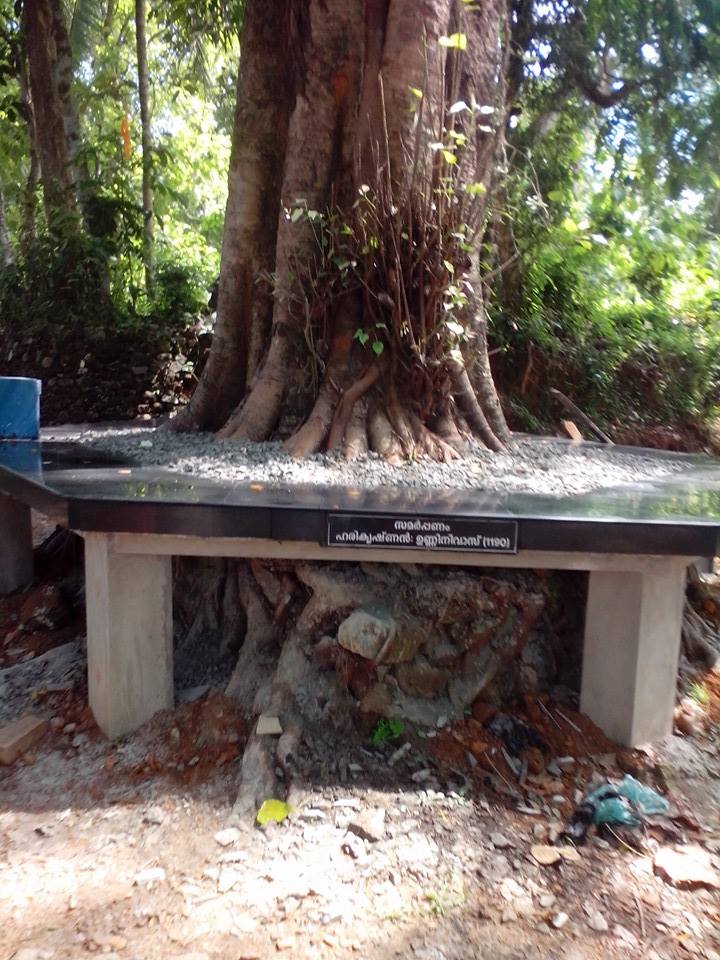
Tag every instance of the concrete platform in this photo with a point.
(635, 544)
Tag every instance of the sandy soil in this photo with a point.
(415, 848)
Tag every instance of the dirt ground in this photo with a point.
(422, 847)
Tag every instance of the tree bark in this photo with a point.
(341, 358)
(28, 228)
(54, 157)
(7, 252)
(146, 140)
(71, 119)
(271, 48)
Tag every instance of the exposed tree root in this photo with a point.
(346, 406)
(382, 438)
(356, 433)
(311, 436)
(469, 405)
(699, 644)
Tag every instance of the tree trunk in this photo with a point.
(245, 304)
(146, 139)
(357, 195)
(28, 228)
(71, 119)
(54, 157)
(7, 253)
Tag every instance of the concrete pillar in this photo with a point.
(632, 645)
(16, 556)
(129, 635)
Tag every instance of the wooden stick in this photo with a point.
(582, 417)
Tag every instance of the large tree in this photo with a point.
(369, 141)
(349, 312)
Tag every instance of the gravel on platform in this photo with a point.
(532, 466)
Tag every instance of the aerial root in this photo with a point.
(467, 400)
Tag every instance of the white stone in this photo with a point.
(228, 836)
(268, 726)
(148, 876)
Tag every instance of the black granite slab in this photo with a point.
(678, 514)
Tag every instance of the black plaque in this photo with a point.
(421, 533)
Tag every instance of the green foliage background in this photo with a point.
(602, 250)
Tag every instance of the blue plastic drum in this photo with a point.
(19, 408)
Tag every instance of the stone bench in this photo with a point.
(635, 543)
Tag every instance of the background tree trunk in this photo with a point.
(392, 112)
(54, 156)
(71, 119)
(28, 228)
(270, 37)
(146, 138)
(7, 253)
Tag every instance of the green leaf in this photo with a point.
(456, 41)
(272, 811)
(475, 189)
(297, 214)
(361, 336)
(557, 196)
(449, 156)
(449, 267)
(458, 107)
(416, 92)
(377, 347)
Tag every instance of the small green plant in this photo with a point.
(386, 731)
(698, 693)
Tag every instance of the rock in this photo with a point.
(228, 836)
(111, 941)
(45, 607)
(18, 736)
(595, 920)
(399, 754)
(479, 670)
(523, 906)
(377, 702)
(370, 825)
(377, 635)
(690, 718)
(365, 632)
(154, 815)
(444, 654)
(150, 875)
(420, 679)
(511, 890)
(286, 943)
(268, 726)
(354, 846)
(545, 855)
(547, 900)
(558, 920)
(537, 662)
(689, 869)
(500, 842)
(627, 936)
